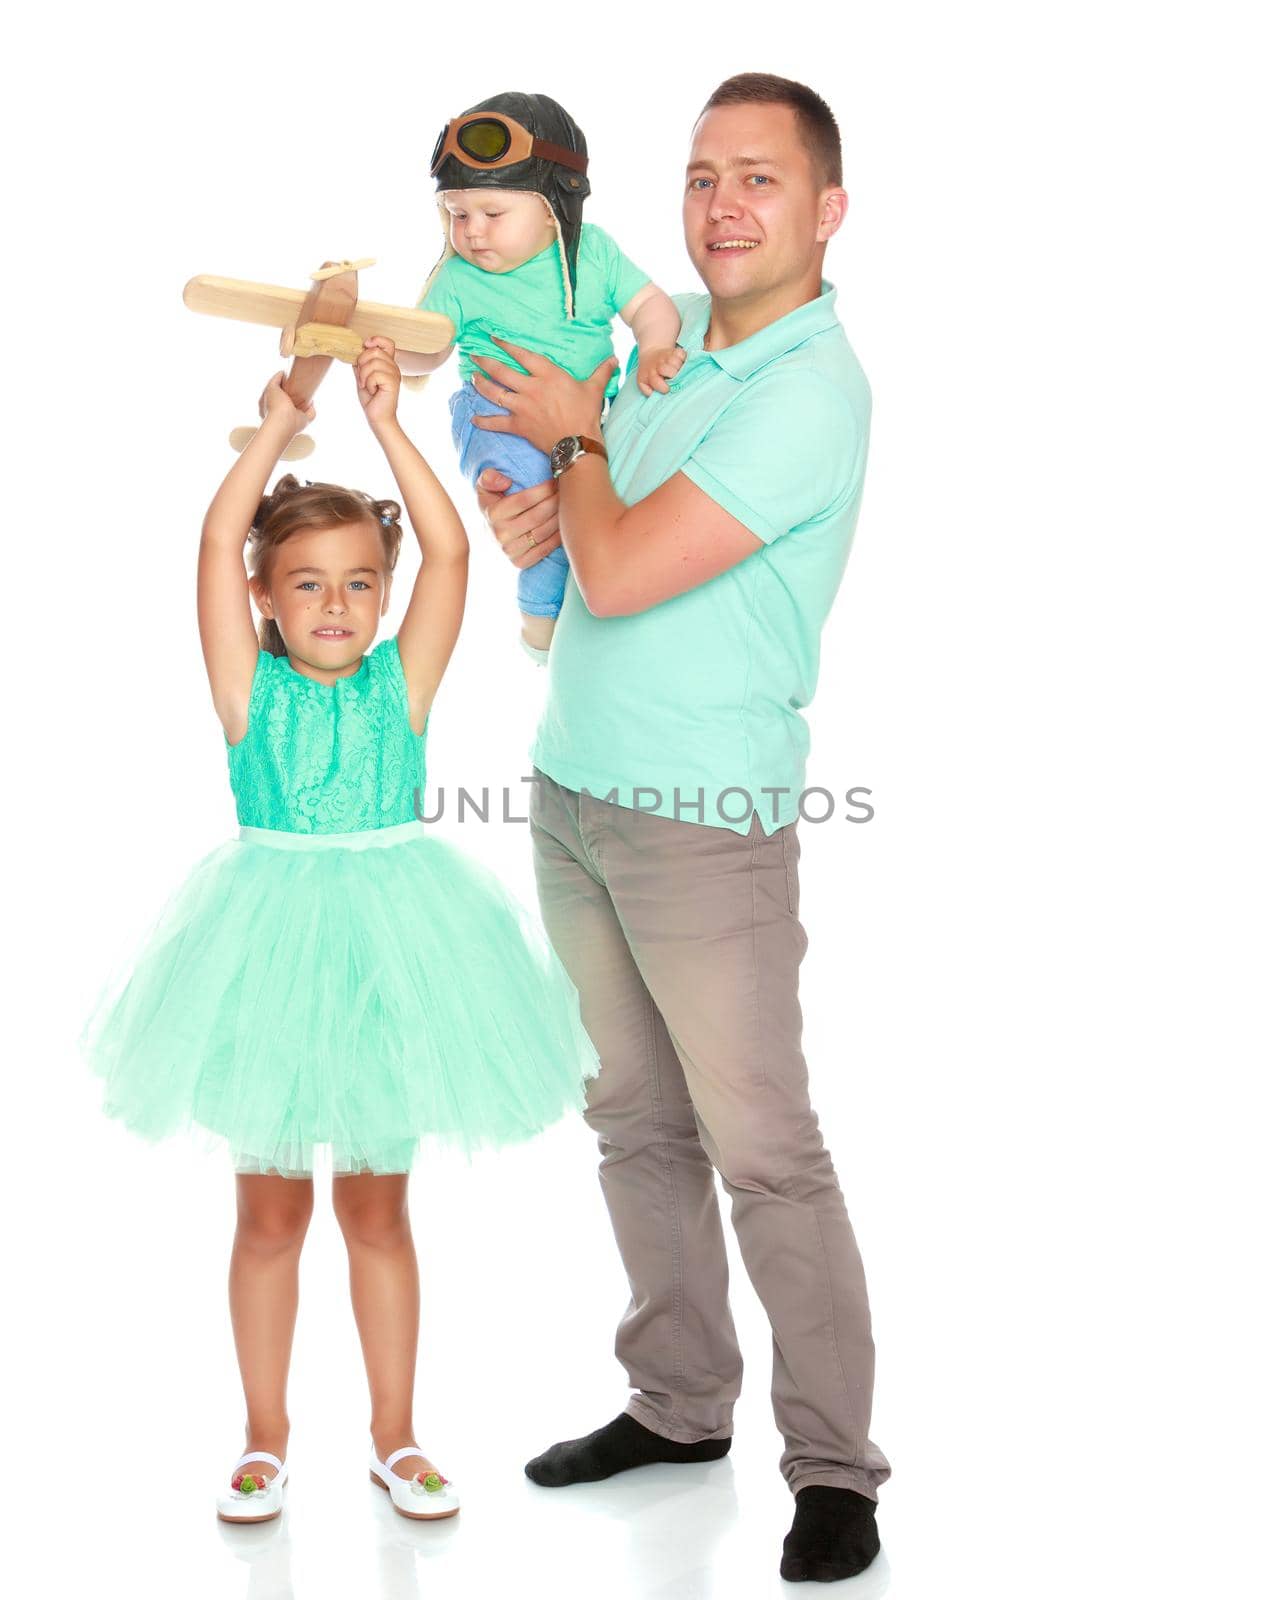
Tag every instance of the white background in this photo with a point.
(1034, 997)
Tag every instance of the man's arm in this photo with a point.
(628, 558)
(624, 558)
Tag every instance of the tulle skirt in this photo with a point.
(358, 991)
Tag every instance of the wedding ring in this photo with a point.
(532, 540)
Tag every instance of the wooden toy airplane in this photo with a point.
(326, 324)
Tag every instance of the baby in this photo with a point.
(519, 262)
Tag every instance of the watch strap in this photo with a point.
(587, 446)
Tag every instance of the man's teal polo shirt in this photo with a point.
(693, 709)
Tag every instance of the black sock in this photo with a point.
(618, 1446)
(833, 1536)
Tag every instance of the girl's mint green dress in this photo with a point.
(335, 976)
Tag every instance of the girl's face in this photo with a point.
(329, 588)
(498, 230)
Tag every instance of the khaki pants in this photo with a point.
(685, 945)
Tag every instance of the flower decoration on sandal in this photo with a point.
(428, 1482)
(249, 1483)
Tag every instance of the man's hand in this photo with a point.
(546, 403)
(654, 367)
(526, 525)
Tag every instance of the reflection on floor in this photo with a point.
(706, 1532)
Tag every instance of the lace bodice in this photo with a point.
(328, 758)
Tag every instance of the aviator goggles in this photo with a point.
(490, 139)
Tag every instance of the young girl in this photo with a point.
(334, 977)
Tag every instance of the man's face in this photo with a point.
(753, 207)
(498, 230)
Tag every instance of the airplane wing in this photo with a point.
(273, 306)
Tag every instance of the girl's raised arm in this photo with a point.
(227, 634)
(434, 616)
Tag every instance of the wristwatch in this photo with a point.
(566, 451)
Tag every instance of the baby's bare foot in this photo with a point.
(537, 631)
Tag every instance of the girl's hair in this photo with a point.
(290, 508)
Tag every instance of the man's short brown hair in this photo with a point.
(818, 130)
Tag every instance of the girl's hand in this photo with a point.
(276, 408)
(654, 367)
(378, 380)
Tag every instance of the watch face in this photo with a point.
(563, 452)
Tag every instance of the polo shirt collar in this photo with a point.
(745, 358)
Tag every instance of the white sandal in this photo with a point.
(427, 1496)
(254, 1498)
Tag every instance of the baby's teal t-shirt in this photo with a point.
(526, 305)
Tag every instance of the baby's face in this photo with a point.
(498, 230)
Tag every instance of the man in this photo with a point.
(706, 552)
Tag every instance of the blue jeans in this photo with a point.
(540, 590)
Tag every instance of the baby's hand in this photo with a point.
(654, 367)
(378, 380)
(275, 406)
